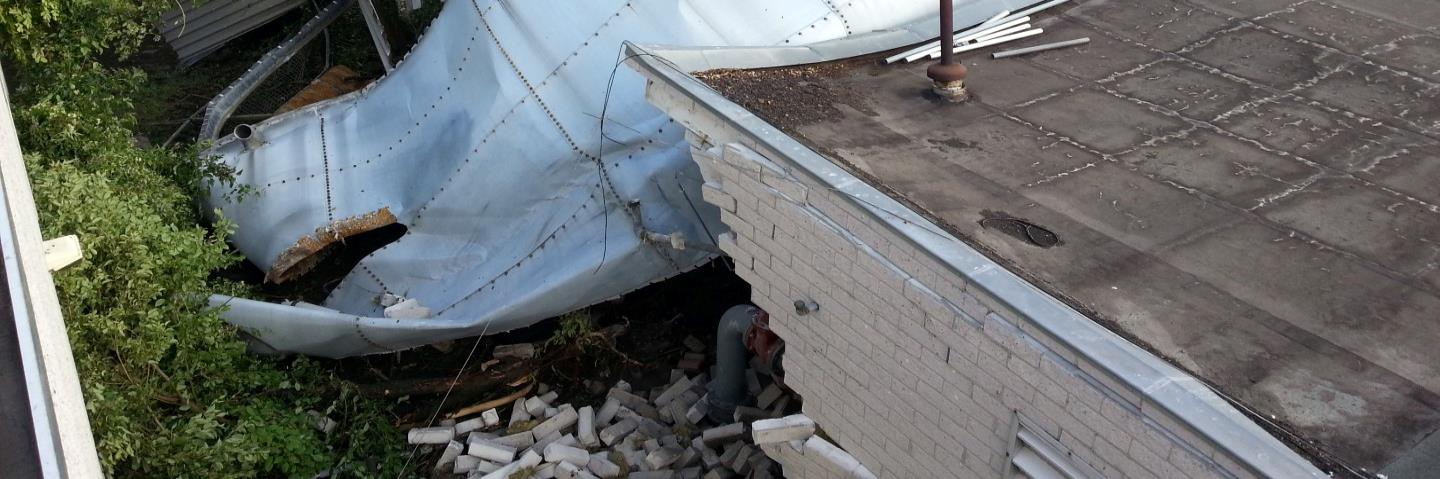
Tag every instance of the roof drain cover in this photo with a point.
(1019, 228)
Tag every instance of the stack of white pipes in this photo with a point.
(1001, 28)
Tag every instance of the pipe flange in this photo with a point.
(943, 72)
(953, 91)
(804, 307)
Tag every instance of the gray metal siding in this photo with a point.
(202, 29)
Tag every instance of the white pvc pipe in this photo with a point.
(1004, 24)
(969, 36)
(935, 44)
(1001, 33)
(994, 41)
(999, 17)
(1039, 8)
(932, 49)
(1040, 48)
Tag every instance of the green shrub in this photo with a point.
(168, 385)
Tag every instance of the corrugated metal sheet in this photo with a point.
(196, 31)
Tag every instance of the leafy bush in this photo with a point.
(580, 340)
(168, 385)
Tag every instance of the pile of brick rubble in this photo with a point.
(667, 432)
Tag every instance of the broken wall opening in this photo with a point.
(512, 388)
(311, 250)
(329, 266)
(656, 320)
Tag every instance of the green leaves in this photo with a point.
(168, 385)
(170, 389)
(68, 32)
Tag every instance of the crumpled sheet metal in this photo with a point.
(484, 143)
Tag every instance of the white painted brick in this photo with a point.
(714, 193)
(992, 353)
(490, 451)
(556, 452)
(562, 420)
(452, 451)
(788, 189)
(893, 319)
(985, 386)
(431, 435)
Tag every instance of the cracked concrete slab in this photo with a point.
(1127, 207)
(1103, 55)
(1164, 25)
(1187, 90)
(1308, 131)
(1415, 13)
(1072, 115)
(1256, 203)
(1374, 225)
(1431, 267)
(1267, 58)
(1244, 8)
(1378, 91)
(1335, 26)
(1418, 54)
(991, 148)
(1220, 166)
(1324, 292)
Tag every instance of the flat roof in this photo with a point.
(1248, 190)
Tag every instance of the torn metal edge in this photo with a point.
(301, 257)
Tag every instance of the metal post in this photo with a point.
(377, 34)
(947, 32)
(949, 76)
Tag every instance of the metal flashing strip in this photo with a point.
(63, 440)
(1159, 383)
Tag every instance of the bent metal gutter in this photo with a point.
(224, 104)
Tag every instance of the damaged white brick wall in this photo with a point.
(816, 458)
(905, 368)
(792, 442)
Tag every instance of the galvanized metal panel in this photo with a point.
(484, 142)
(195, 31)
